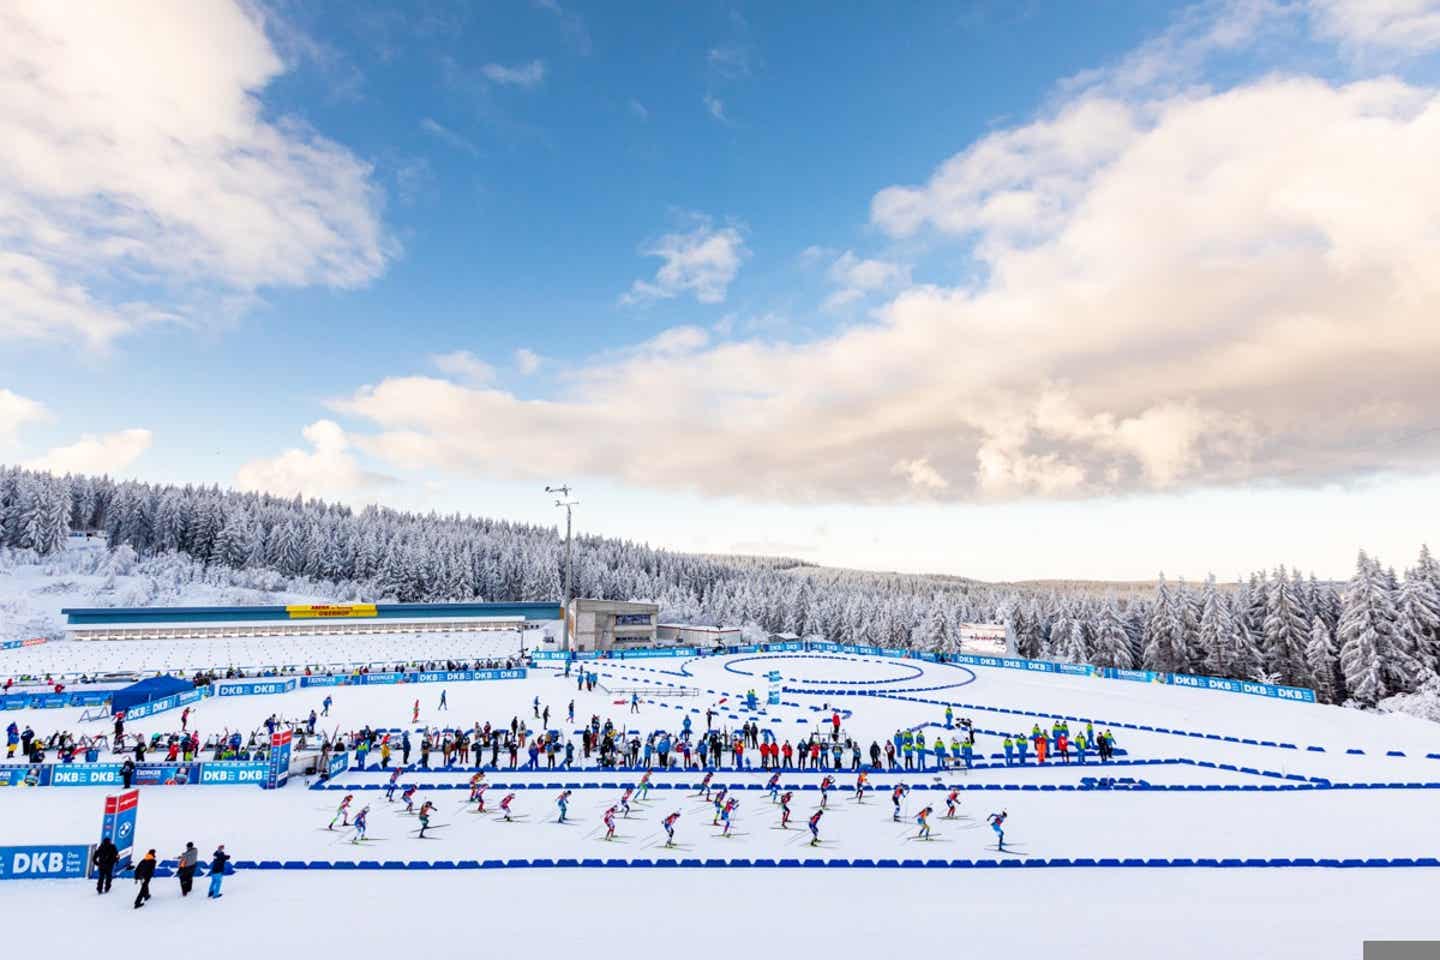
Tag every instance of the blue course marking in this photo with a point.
(1084, 863)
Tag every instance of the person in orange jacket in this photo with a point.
(1041, 745)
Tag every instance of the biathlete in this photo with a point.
(392, 784)
(342, 812)
(415, 713)
(730, 806)
(785, 810)
(505, 806)
(951, 802)
(896, 796)
(825, 786)
(705, 784)
(669, 824)
(862, 781)
(476, 786)
(997, 823)
(563, 802)
(610, 824)
(774, 786)
(477, 793)
(625, 803)
(360, 824)
(425, 810)
(409, 797)
(923, 819)
(644, 788)
(815, 827)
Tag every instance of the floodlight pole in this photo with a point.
(568, 504)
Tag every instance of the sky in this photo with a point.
(1006, 290)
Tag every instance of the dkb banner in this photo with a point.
(44, 862)
(279, 773)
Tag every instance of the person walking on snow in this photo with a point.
(342, 812)
(325, 705)
(444, 704)
(634, 703)
(144, 873)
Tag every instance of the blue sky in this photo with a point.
(917, 289)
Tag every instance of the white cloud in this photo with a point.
(730, 62)
(1174, 288)
(638, 110)
(525, 75)
(138, 158)
(449, 137)
(702, 261)
(527, 361)
(329, 469)
(465, 365)
(15, 412)
(107, 453)
(857, 277)
(1403, 26)
(715, 107)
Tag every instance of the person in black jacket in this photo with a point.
(217, 871)
(127, 772)
(104, 859)
(144, 873)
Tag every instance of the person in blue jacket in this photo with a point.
(217, 871)
(968, 752)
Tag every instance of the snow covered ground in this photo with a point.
(610, 911)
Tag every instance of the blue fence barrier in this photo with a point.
(429, 676)
(254, 688)
(162, 704)
(196, 772)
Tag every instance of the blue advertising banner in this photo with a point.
(327, 680)
(233, 771)
(371, 679)
(174, 701)
(37, 775)
(166, 774)
(337, 764)
(463, 676)
(86, 775)
(254, 688)
(44, 862)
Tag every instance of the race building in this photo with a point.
(696, 635)
(611, 624)
(339, 619)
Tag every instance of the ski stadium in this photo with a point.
(1280, 809)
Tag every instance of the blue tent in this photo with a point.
(144, 691)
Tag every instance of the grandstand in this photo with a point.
(254, 640)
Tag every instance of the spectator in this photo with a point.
(104, 859)
(185, 870)
(217, 871)
(144, 873)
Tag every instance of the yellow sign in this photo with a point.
(327, 610)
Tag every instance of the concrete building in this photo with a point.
(696, 635)
(611, 624)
